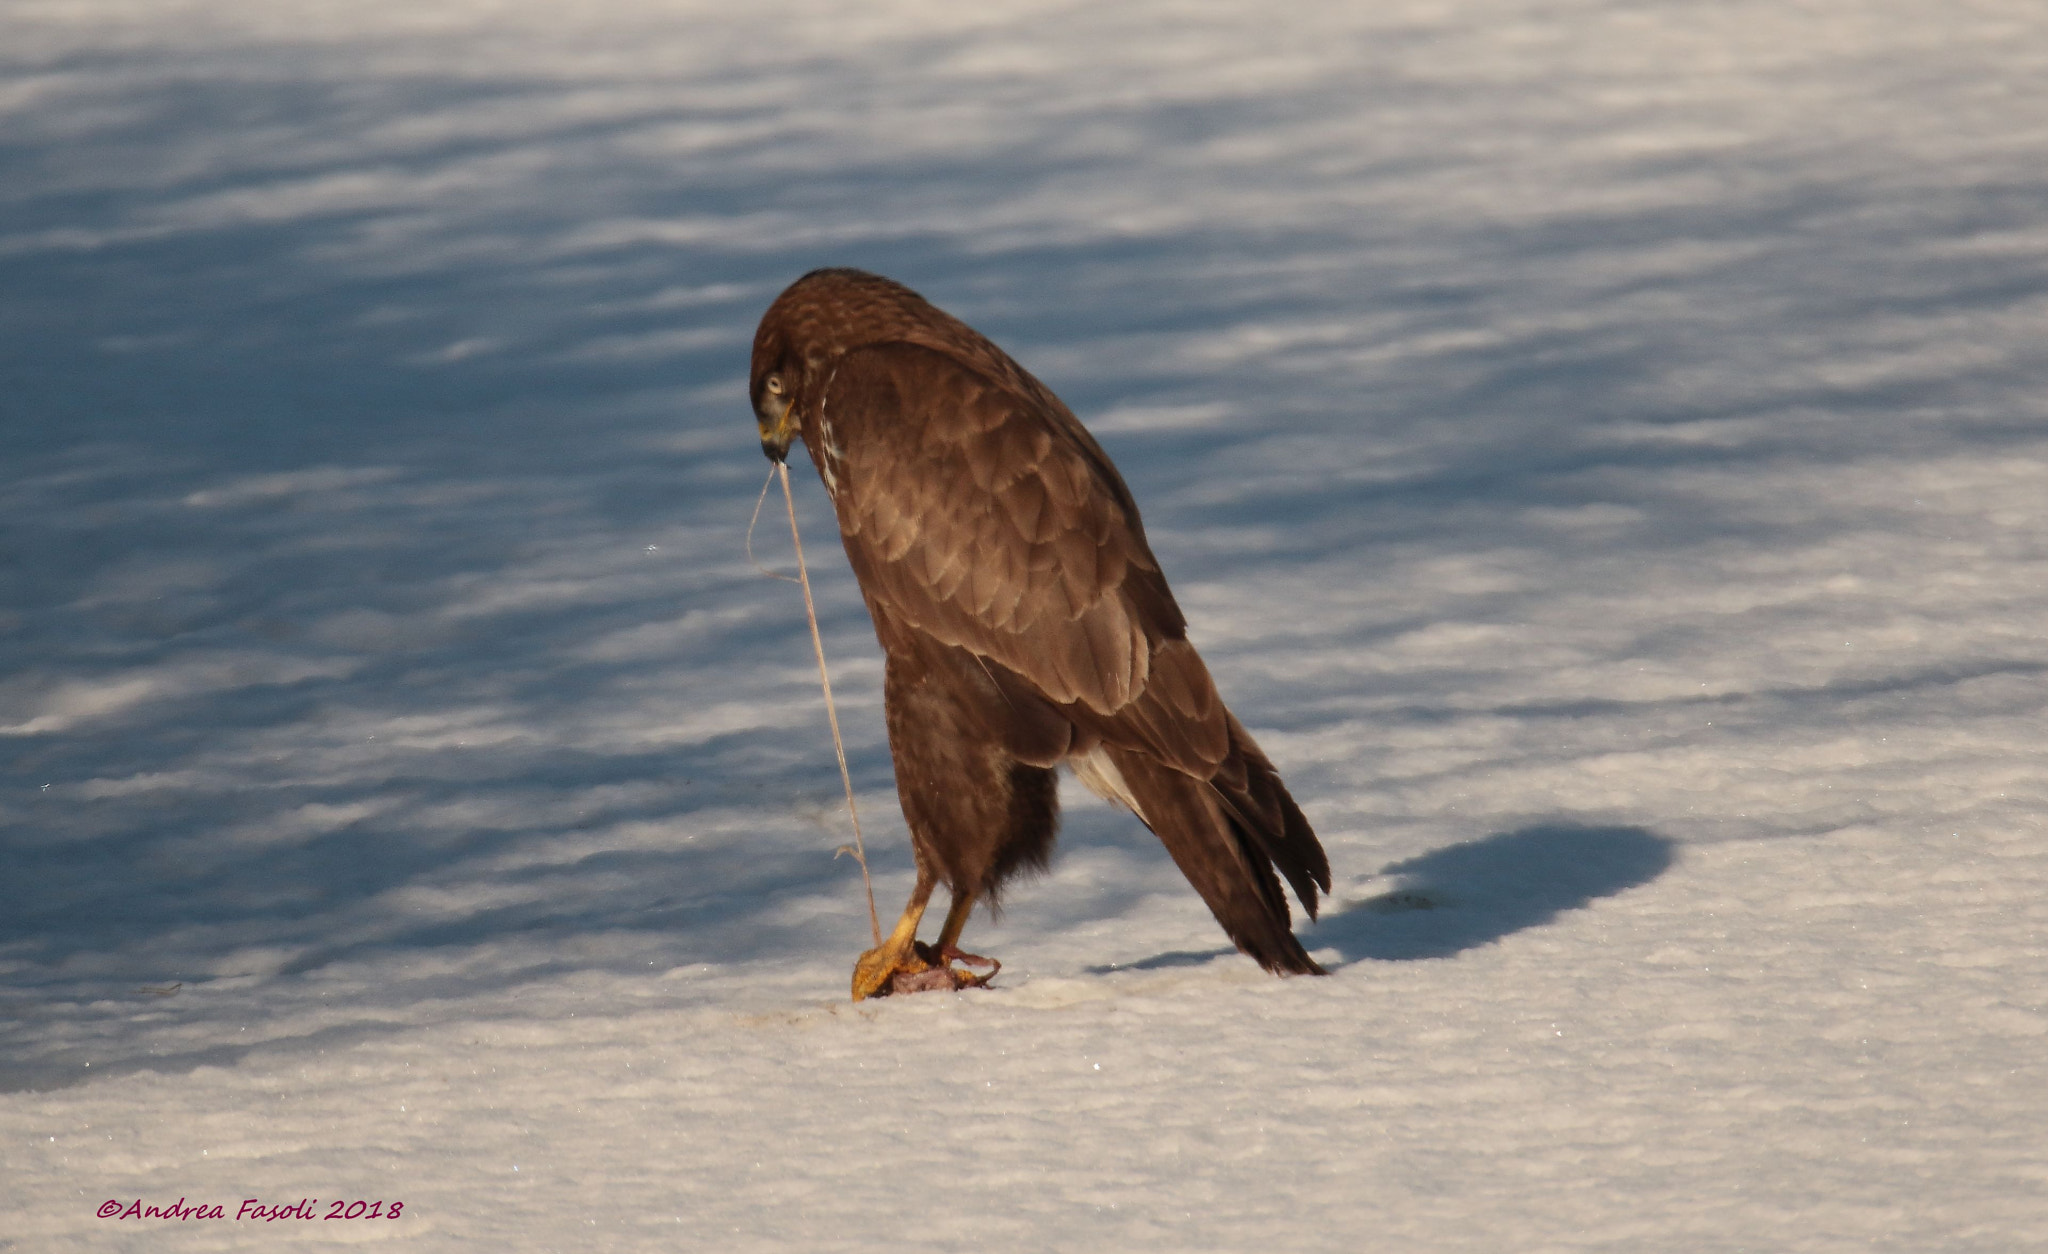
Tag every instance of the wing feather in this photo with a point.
(1024, 500)
(985, 515)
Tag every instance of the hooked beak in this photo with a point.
(777, 431)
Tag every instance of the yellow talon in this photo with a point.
(895, 965)
(876, 967)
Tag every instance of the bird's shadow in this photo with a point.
(1467, 895)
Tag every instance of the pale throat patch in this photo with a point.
(831, 455)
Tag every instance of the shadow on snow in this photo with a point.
(1467, 895)
(1463, 896)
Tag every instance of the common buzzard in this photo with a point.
(1024, 619)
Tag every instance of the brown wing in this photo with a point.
(982, 514)
(977, 511)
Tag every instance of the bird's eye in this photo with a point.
(774, 384)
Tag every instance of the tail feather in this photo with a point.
(1227, 844)
(1266, 810)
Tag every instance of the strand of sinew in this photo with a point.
(860, 850)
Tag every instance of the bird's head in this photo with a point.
(819, 319)
(773, 388)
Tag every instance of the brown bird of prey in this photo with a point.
(1025, 623)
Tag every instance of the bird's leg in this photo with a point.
(872, 973)
(947, 951)
(956, 919)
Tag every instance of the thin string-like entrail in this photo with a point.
(859, 847)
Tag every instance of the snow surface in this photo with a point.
(1600, 446)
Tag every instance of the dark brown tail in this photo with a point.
(1227, 835)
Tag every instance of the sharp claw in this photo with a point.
(954, 954)
(943, 959)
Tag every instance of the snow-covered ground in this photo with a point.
(1602, 449)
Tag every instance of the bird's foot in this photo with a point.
(876, 971)
(928, 969)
